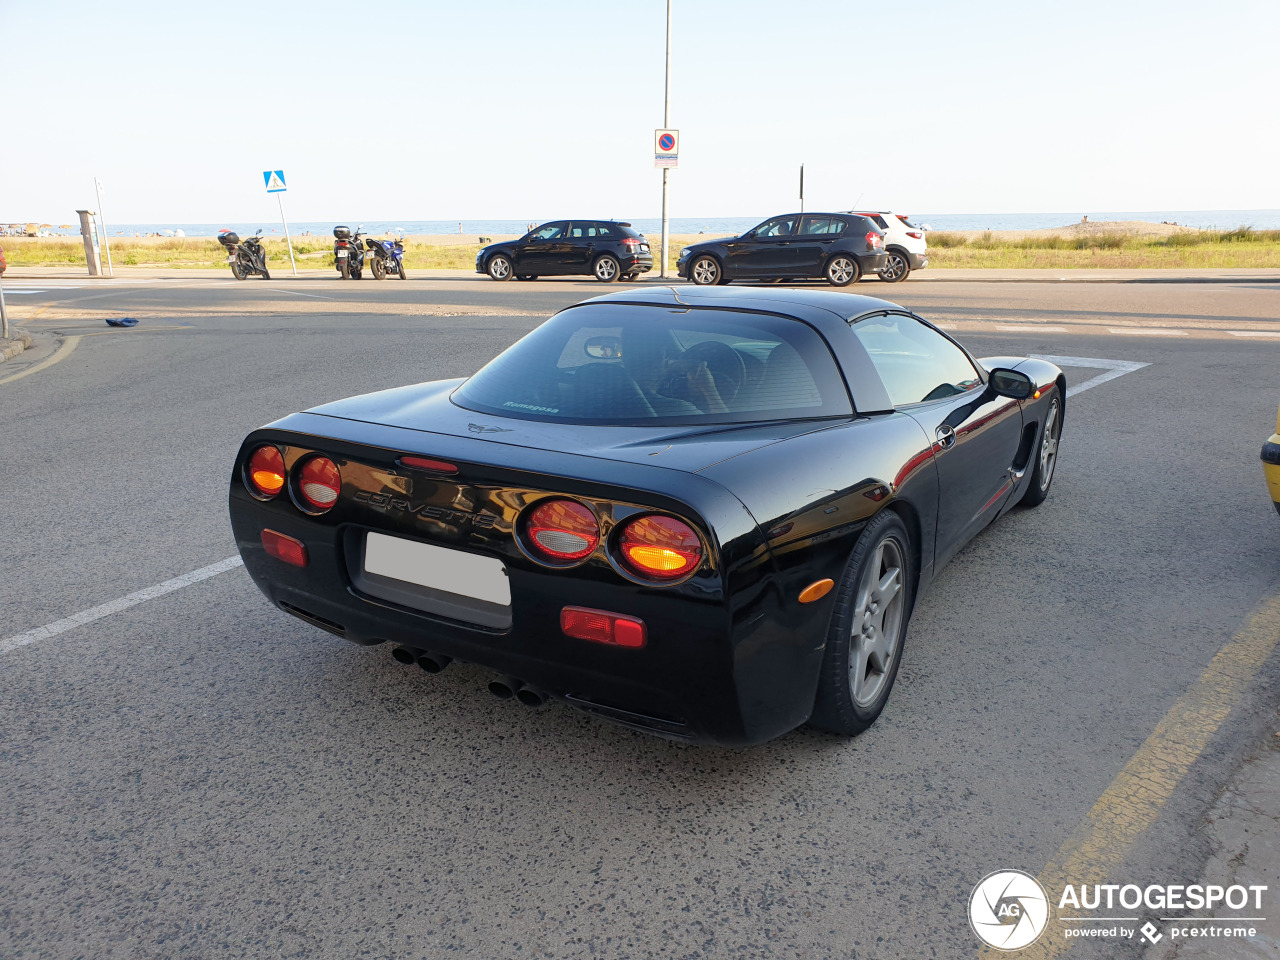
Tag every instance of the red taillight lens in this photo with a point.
(319, 482)
(600, 626)
(914, 235)
(266, 471)
(874, 239)
(426, 463)
(631, 243)
(660, 547)
(284, 548)
(562, 530)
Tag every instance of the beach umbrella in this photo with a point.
(46, 226)
(64, 226)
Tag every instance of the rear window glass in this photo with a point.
(622, 363)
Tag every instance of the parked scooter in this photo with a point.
(386, 256)
(348, 255)
(245, 256)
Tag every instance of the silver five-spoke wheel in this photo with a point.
(1049, 445)
(876, 627)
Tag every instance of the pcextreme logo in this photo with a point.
(1008, 910)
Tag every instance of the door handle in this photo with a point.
(946, 435)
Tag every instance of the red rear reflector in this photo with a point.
(266, 471)
(660, 547)
(284, 548)
(426, 463)
(562, 530)
(600, 626)
(320, 483)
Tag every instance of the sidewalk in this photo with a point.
(1244, 829)
(17, 275)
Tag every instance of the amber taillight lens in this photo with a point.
(562, 530)
(319, 483)
(266, 471)
(661, 548)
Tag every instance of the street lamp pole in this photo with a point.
(666, 123)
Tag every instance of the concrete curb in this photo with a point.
(12, 347)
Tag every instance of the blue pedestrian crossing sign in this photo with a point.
(274, 179)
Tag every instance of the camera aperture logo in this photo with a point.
(1009, 910)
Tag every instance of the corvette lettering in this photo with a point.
(385, 501)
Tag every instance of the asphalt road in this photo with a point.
(200, 775)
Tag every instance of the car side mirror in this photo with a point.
(1011, 384)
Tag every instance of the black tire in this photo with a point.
(237, 270)
(499, 267)
(896, 267)
(1045, 453)
(842, 270)
(344, 268)
(706, 271)
(527, 276)
(842, 705)
(400, 269)
(266, 274)
(629, 277)
(379, 268)
(606, 268)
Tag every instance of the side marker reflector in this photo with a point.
(284, 548)
(816, 591)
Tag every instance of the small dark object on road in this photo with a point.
(123, 322)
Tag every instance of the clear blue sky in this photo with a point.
(497, 109)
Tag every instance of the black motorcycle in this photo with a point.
(348, 255)
(245, 256)
(386, 256)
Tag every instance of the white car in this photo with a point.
(904, 244)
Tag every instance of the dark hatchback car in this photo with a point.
(837, 247)
(605, 249)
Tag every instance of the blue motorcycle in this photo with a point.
(386, 256)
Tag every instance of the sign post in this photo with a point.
(102, 219)
(274, 180)
(666, 156)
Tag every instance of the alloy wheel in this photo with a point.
(876, 629)
(1049, 445)
(706, 271)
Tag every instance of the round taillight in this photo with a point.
(319, 482)
(562, 530)
(266, 471)
(659, 547)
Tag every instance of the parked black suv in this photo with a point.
(839, 247)
(604, 249)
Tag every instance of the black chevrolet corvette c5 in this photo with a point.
(705, 513)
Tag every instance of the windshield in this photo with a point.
(622, 363)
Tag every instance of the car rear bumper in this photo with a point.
(918, 261)
(727, 660)
(873, 262)
(640, 263)
(1271, 467)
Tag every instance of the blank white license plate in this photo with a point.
(342, 253)
(465, 574)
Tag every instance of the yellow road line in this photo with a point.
(61, 354)
(1101, 842)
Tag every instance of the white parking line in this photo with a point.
(115, 606)
(1113, 368)
(1254, 333)
(1147, 331)
(17, 291)
(1029, 327)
